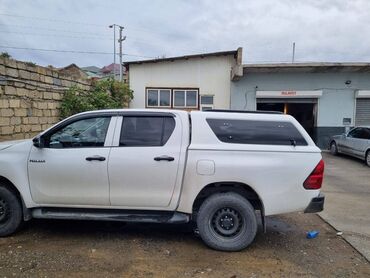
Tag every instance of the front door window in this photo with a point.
(88, 132)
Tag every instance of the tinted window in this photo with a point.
(146, 131)
(256, 132)
(355, 133)
(366, 133)
(360, 133)
(83, 133)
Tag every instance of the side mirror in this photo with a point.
(38, 142)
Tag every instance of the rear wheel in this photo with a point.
(367, 158)
(227, 222)
(333, 148)
(10, 212)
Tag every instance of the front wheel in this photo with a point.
(10, 212)
(333, 148)
(227, 222)
(367, 158)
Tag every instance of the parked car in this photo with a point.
(355, 143)
(164, 166)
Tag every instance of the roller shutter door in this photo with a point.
(362, 111)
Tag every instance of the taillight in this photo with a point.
(314, 180)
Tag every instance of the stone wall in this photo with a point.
(30, 97)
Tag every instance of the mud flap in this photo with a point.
(263, 220)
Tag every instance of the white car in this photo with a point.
(216, 168)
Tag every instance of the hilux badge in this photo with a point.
(37, 160)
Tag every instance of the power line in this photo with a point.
(146, 30)
(80, 23)
(53, 20)
(51, 35)
(54, 30)
(151, 43)
(133, 39)
(73, 51)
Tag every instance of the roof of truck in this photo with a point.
(179, 110)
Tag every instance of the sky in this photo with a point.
(323, 31)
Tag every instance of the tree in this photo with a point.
(5, 55)
(104, 94)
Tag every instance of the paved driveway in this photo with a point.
(347, 205)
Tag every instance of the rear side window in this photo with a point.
(140, 131)
(256, 132)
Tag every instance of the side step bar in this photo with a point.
(111, 215)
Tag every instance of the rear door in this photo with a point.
(143, 167)
(355, 142)
(364, 142)
(347, 142)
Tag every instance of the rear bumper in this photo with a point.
(316, 204)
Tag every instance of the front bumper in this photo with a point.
(316, 204)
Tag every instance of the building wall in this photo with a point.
(210, 74)
(30, 97)
(337, 101)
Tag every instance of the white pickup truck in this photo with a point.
(215, 168)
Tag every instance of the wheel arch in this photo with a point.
(366, 154)
(10, 186)
(331, 142)
(229, 186)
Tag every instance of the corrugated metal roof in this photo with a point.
(185, 57)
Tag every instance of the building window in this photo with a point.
(206, 102)
(172, 98)
(185, 98)
(158, 98)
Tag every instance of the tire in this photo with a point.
(367, 158)
(11, 216)
(333, 148)
(215, 217)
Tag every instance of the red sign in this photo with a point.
(288, 93)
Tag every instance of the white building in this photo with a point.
(326, 98)
(187, 82)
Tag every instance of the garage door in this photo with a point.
(362, 111)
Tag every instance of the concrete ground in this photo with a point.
(347, 205)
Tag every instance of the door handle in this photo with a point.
(164, 157)
(95, 157)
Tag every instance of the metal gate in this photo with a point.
(362, 112)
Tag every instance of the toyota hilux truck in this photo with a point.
(218, 169)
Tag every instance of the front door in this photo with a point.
(71, 168)
(143, 168)
(352, 144)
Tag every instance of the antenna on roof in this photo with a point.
(293, 54)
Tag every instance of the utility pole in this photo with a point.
(114, 50)
(120, 40)
(293, 54)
